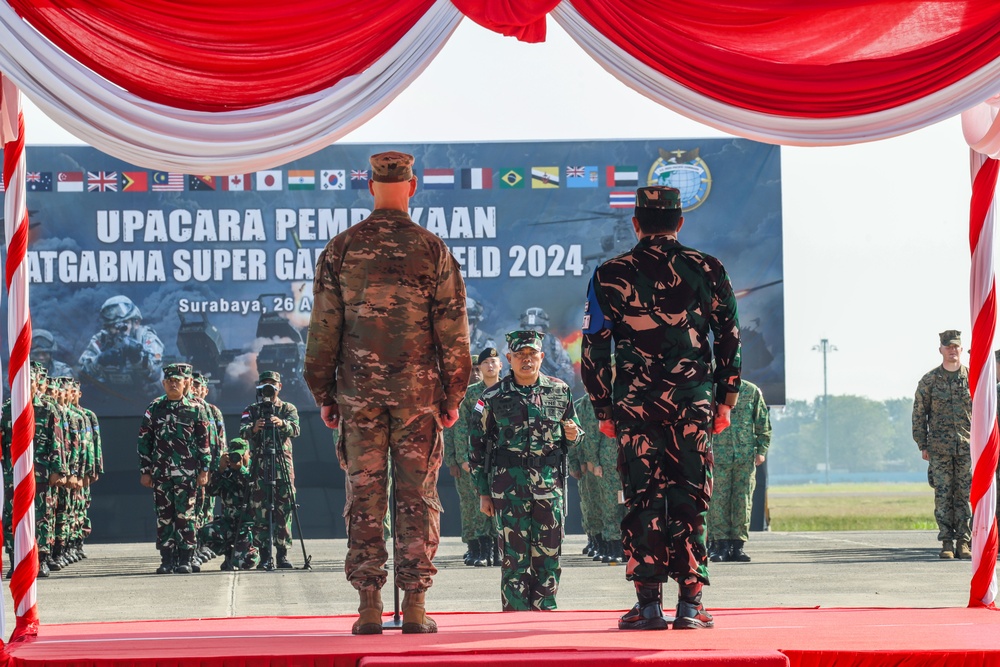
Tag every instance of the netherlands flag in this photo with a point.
(439, 179)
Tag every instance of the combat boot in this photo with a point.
(487, 550)
(593, 545)
(617, 553)
(964, 550)
(691, 614)
(467, 556)
(600, 546)
(497, 554)
(415, 618)
(647, 614)
(947, 549)
(479, 554)
(43, 566)
(282, 559)
(718, 550)
(370, 610)
(736, 552)
(166, 561)
(590, 545)
(195, 562)
(80, 550)
(183, 565)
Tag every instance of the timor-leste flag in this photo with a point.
(135, 181)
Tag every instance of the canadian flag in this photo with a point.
(236, 182)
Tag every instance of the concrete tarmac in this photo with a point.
(834, 569)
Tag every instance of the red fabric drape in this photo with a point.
(819, 59)
(218, 55)
(523, 19)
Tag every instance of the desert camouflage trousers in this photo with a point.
(174, 499)
(951, 477)
(666, 471)
(531, 532)
(600, 512)
(411, 438)
(732, 500)
(475, 524)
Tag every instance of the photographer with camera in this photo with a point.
(269, 425)
(231, 533)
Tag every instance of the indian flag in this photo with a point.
(301, 179)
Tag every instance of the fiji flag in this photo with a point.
(582, 177)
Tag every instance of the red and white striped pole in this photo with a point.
(980, 128)
(23, 581)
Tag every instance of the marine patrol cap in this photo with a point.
(391, 167)
(177, 371)
(950, 337)
(658, 196)
(488, 353)
(518, 340)
(238, 446)
(269, 375)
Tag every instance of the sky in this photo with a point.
(876, 254)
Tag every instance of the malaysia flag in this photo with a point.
(167, 182)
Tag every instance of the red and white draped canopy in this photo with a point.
(235, 86)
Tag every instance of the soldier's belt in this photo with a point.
(509, 459)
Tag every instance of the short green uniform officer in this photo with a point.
(519, 433)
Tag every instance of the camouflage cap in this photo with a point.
(36, 370)
(199, 378)
(238, 446)
(518, 340)
(177, 371)
(488, 353)
(658, 196)
(391, 167)
(950, 337)
(269, 375)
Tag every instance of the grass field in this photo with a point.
(905, 506)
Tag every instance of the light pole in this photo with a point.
(824, 347)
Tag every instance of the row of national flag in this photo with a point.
(473, 178)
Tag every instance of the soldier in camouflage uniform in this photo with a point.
(95, 467)
(268, 435)
(736, 453)
(519, 433)
(125, 354)
(600, 486)
(557, 361)
(205, 506)
(478, 530)
(388, 350)
(174, 459)
(655, 308)
(43, 346)
(232, 532)
(67, 494)
(89, 455)
(942, 419)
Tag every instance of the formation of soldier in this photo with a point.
(68, 459)
(595, 467)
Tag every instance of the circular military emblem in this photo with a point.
(686, 171)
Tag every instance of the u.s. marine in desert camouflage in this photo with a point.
(388, 350)
(656, 307)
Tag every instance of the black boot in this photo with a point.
(691, 614)
(590, 545)
(736, 552)
(57, 563)
(282, 559)
(487, 550)
(593, 545)
(183, 565)
(647, 614)
(43, 566)
(497, 553)
(467, 556)
(718, 551)
(600, 546)
(166, 561)
(616, 553)
(479, 555)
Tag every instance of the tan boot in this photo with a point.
(370, 622)
(964, 551)
(415, 618)
(947, 549)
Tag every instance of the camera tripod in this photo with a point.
(269, 464)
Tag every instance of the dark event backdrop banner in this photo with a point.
(221, 267)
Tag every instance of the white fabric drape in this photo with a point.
(161, 137)
(784, 130)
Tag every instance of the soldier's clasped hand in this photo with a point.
(570, 430)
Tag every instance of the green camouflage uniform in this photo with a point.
(600, 510)
(231, 488)
(942, 418)
(389, 344)
(475, 524)
(654, 307)
(734, 470)
(66, 497)
(95, 469)
(284, 487)
(174, 448)
(516, 452)
(205, 503)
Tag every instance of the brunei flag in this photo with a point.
(544, 177)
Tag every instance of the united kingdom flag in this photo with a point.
(102, 181)
(359, 179)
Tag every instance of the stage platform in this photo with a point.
(813, 637)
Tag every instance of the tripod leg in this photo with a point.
(306, 559)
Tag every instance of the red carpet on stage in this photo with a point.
(820, 637)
